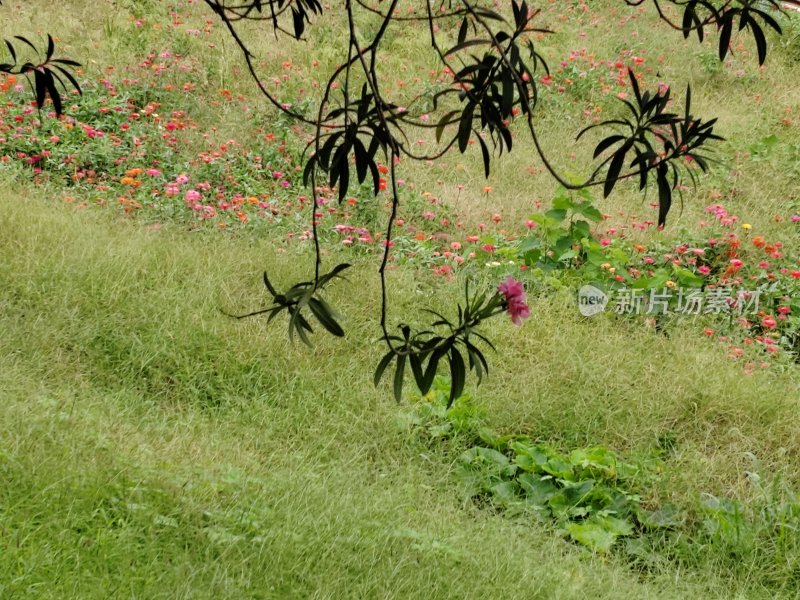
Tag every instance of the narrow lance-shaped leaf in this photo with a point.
(384, 362)
(457, 375)
(465, 128)
(323, 314)
(398, 377)
(486, 156)
(664, 194)
(416, 370)
(614, 168)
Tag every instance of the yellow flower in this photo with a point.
(747, 226)
(671, 284)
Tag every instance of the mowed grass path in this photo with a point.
(151, 447)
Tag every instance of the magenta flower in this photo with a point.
(514, 295)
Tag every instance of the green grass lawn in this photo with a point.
(153, 447)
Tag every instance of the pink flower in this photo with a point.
(704, 270)
(514, 294)
(192, 196)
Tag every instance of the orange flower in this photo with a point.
(133, 172)
(759, 242)
(8, 83)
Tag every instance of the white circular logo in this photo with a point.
(591, 300)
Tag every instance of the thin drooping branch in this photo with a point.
(248, 57)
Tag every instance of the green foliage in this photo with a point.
(590, 494)
(660, 141)
(301, 296)
(424, 350)
(432, 420)
(45, 77)
(595, 499)
(563, 233)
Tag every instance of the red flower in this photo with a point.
(515, 300)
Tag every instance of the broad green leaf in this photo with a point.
(592, 535)
(556, 214)
(505, 493)
(687, 278)
(537, 489)
(563, 203)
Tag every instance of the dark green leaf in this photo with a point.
(614, 169)
(664, 194)
(761, 42)
(11, 51)
(465, 127)
(443, 122)
(323, 314)
(725, 37)
(398, 377)
(51, 47)
(606, 143)
(457, 375)
(462, 32)
(486, 156)
(53, 92)
(387, 358)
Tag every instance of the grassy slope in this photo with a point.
(124, 478)
(298, 485)
(151, 447)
